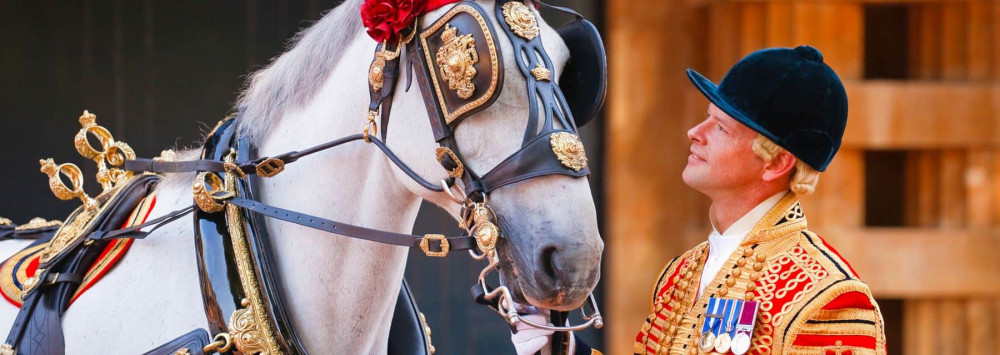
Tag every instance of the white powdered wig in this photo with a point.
(292, 78)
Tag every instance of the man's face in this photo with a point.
(721, 158)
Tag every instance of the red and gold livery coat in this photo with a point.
(810, 299)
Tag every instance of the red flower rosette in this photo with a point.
(386, 19)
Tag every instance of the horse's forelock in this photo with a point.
(295, 76)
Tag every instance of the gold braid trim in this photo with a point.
(815, 307)
(843, 314)
(830, 350)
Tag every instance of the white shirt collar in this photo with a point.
(744, 225)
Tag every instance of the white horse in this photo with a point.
(342, 290)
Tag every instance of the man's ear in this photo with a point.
(779, 167)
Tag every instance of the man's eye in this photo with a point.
(721, 128)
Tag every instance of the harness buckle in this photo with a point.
(209, 190)
(455, 172)
(270, 167)
(425, 245)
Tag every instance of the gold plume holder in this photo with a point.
(109, 155)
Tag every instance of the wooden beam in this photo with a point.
(907, 115)
(921, 262)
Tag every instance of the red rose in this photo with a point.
(385, 19)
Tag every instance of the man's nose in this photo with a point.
(694, 134)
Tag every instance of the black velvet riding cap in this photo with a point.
(787, 95)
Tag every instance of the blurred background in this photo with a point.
(911, 199)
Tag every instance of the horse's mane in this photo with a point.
(295, 76)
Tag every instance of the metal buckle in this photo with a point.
(457, 172)
(234, 169)
(270, 167)
(209, 190)
(425, 245)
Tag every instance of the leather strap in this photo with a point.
(250, 168)
(350, 230)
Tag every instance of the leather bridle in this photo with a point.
(550, 144)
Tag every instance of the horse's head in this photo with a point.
(550, 249)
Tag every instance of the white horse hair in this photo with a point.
(341, 290)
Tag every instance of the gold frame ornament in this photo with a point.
(521, 20)
(569, 149)
(456, 60)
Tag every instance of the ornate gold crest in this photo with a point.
(541, 73)
(484, 230)
(38, 223)
(569, 150)
(520, 19)
(456, 58)
(375, 72)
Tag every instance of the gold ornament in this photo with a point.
(521, 20)
(244, 330)
(5, 222)
(110, 153)
(38, 223)
(377, 69)
(569, 150)
(59, 188)
(427, 333)
(457, 58)
(540, 72)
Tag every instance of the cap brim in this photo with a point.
(711, 92)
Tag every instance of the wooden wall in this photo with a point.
(922, 79)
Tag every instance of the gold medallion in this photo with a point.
(457, 59)
(569, 150)
(520, 19)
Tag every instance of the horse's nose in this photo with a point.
(565, 265)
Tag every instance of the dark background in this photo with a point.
(160, 74)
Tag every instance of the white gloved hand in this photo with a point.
(529, 340)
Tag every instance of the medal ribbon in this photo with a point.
(730, 320)
(714, 315)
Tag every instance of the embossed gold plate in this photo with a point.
(520, 19)
(569, 149)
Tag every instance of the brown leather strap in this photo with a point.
(157, 166)
(350, 230)
(323, 224)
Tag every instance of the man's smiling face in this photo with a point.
(721, 156)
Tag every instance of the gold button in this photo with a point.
(758, 266)
(747, 251)
(737, 272)
(730, 282)
(748, 296)
(688, 274)
(755, 276)
(741, 262)
(723, 291)
(751, 287)
(761, 257)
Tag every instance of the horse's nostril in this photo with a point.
(547, 260)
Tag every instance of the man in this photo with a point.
(763, 283)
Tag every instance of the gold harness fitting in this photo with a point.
(425, 245)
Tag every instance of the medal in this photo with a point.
(744, 328)
(724, 341)
(713, 317)
(707, 341)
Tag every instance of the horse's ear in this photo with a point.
(584, 81)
